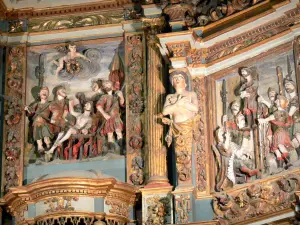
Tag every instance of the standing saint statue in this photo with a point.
(182, 107)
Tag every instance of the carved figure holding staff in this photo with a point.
(109, 106)
(248, 92)
(40, 114)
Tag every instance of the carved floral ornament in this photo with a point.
(59, 193)
(257, 200)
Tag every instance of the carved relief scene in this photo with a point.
(257, 107)
(75, 102)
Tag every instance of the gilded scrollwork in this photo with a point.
(135, 108)
(199, 132)
(117, 207)
(75, 21)
(199, 13)
(257, 200)
(60, 204)
(157, 210)
(14, 117)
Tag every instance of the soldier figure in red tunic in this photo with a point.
(109, 106)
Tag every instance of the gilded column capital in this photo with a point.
(152, 27)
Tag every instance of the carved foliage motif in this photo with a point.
(76, 21)
(201, 13)
(199, 88)
(256, 200)
(158, 209)
(135, 108)
(118, 208)
(183, 208)
(13, 117)
(60, 204)
(179, 49)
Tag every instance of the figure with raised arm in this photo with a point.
(280, 122)
(83, 124)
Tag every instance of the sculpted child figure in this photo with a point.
(71, 55)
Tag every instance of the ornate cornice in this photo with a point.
(196, 57)
(69, 186)
(27, 13)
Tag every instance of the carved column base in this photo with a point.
(183, 198)
(157, 205)
(158, 181)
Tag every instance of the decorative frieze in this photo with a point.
(75, 21)
(258, 199)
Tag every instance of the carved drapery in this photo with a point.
(135, 89)
(13, 140)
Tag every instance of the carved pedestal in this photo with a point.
(157, 205)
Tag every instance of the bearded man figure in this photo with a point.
(293, 110)
(109, 106)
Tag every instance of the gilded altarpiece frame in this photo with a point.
(13, 140)
(274, 69)
(15, 120)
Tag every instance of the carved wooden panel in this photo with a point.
(13, 140)
(135, 107)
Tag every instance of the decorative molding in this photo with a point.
(13, 141)
(69, 187)
(135, 89)
(38, 25)
(259, 199)
(27, 13)
(207, 56)
(199, 137)
(118, 208)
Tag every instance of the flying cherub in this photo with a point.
(70, 56)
